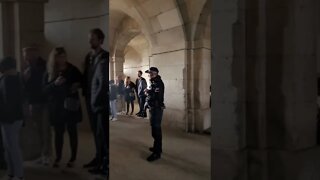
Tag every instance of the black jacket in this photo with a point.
(11, 99)
(99, 84)
(33, 85)
(58, 94)
(155, 96)
(113, 91)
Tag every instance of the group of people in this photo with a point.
(46, 94)
(125, 92)
(149, 97)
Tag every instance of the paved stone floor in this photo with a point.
(186, 156)
(33, 171)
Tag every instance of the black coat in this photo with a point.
(58, 94)
(33, 85)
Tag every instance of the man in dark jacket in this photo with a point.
(36, 100)
(96, 93)
(11, 116)
(155, 103)
(141, 85)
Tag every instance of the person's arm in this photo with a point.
(77, 81)
(84, 81)
(48, 86)
(144, 84)
(102, 77)
(159, 93)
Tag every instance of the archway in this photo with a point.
(156, 33)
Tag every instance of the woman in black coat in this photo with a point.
(129, 94)
(62, 82)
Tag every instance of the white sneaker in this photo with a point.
(114, 119)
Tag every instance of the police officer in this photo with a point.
(155, 97)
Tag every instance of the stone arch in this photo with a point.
(163, 25)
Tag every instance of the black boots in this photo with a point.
(153, 157)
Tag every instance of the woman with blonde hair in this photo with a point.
(62, 82)
(129, 94)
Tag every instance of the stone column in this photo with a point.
(291, 88)
(22, 24)
(228, 90)
(111, 70)
(118, 66)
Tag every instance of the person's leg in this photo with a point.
(128, 104)
(99, 143)
(132, 106)
(7, 151)
(12, 134)
(139, 101)
(37, 119)
(158, 131)
(111, 108)
(47, 135)
(73, 136)
(123, 102)
(114, 108)
(59, 131)
(103, 135)
(93, 126)
(155, 120)
(142, 103)
(105, 147)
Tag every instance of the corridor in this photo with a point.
(185, 156)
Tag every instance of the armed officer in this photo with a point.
(154, 101)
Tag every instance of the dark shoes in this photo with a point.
(154, 157)
(99, 171)
(143, 115)
(70, 164)
(56, 164)
(91, 164)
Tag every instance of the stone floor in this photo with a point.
(33, 171)
(186, 156)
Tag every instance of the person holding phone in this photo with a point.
(62, 82)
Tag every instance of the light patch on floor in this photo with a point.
(185, 156)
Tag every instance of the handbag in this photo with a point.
(71, 104)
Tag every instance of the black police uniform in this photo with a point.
(155, 98)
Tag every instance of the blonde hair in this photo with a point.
(51, 64)
(127, 80)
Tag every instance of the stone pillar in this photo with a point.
(111, 70)
(118, 66)
(228, 91)
(291, 88)
(22, 24)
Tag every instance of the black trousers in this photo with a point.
(103, 139)
(128, 105)
(59, 130)
(156, 131)
(142, 101)
(93, 125)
